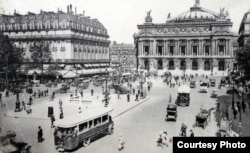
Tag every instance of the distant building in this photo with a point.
(244, 30)
(123, 55)
(195, 41)
(75, 40)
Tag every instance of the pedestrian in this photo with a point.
(235, 113)
(80, 110)
(133, 90)
(30, 100)
(61, 115)
(60, 104)
(136, 97)
(243, 106)
(128, 97)
(119, 97)
(230, 125)
(183, 130)
(121, 143)
(52, 120)
(92, 92)
(191, 133)
(40, 134)
(23, 105)
(164, 138)
(148, 87)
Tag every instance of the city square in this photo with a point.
(65, 87)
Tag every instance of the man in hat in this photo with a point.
(191, 133)
(40, 134)
(52, 120)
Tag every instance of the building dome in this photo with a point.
(196, 13)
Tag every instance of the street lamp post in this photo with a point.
(241, 94)
(233, 79)
(141, 83)
(106, 90)
(17, 109)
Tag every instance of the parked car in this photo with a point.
(192, 84)
(121, 89)
(212, 82)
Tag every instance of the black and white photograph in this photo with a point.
(111, 76)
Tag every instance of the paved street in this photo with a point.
(140, 126)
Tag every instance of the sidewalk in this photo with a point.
(40, 108)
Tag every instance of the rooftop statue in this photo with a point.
(169, 15)
(148, 18)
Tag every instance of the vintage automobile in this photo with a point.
(192, 84)
(171, 112)
(223, 81)
(214, 93)
(8, 144)
(212, 82)
(121, 89)
(183, 97)
(203, 86)
(64, 88)
(201, 118)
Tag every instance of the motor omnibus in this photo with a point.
(80, 129)
(183, 97)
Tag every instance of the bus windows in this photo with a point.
(104, 119)
(90, 124)
(83, 126)
(97, 121)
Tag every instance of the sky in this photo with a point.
(121, 17)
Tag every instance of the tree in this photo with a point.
(40, 54)
(243, 59)
(11, 57)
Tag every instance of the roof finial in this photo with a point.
(197, 3)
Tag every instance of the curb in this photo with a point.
(35, 118)
(123, 112)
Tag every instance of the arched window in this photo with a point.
(221, 65)
(194, 65)
(171, 65)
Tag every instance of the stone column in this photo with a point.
(200, 48)
(154, 47)
(189, 49)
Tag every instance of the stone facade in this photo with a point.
(123, 55)
(73, 38)
(198, 40)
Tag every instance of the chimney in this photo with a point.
(75, 11)
(15, 11)
(68, 9)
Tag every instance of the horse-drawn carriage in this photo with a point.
(201, 118)
(171, 112)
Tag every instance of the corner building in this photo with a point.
(198, 41)
(74, 38)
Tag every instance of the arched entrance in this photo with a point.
(183, 65)
(221, 65)
(146, 64)
(171, 65)
(159, 64)
(207, 65)
(195, 65)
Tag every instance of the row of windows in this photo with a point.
(146, 42)
(49, 25)
(93, 123)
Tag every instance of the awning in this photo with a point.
(70, 74)
(31, 72)
(78, 66)
(61, 65)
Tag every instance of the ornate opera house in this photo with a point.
(197, 41)
(75, 39)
